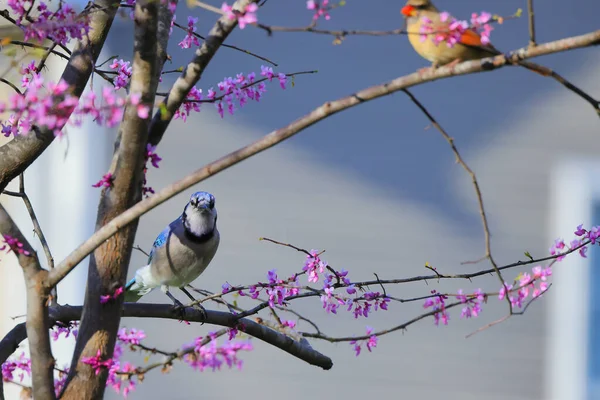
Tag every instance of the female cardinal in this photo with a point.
(422, 17)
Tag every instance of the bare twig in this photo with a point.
(463, 164)
(286, 245)
(531, 16)
(38, 231)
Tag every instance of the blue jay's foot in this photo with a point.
(180, 310)
(197, 306)
(178, 306)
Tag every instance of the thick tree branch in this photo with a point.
(19, 153)
(37, 324)
(192, 74)
(320, 113)
(165, 16)
(108, 264)
(65, 314)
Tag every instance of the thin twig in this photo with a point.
(230, 46)
(40, 234)
(531, 16)
(461, 161)
(12, 85)
(286, 245)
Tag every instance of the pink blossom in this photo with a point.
(456, 28)
(133, 336)
(123, 73)
(313, 266)
(21, 365)
(13, 244)
(60, 26)
(108, 297)
(370, 343)
(212, 356)
(59, 328)
(321, 8)
(438, 304)
(190, 39)
(248, 16)
(97, 363)
(106, 181)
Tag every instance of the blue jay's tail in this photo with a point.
(139, 285)
(131, 295)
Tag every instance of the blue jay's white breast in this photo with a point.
(180, 261)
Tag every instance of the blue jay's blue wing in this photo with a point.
(161, 239)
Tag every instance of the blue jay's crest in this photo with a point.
(202, 200)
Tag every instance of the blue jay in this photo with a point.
(181, 252)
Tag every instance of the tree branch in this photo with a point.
(192, 74)
(19, 153)
(65, 314)
(37, 324)
(108, 264)
(320, 113)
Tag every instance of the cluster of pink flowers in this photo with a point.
(70, 328)
(213, 356)
(13, 244)
(593, 235)
(241, 88)
(54, 106)
(123, 73)
(456, 29)
(313, 266)
(132, 337)
(106, 181)
(154, 160)
(190, 39)
(369, 343)
(61, 25)
(526, 284)
(472, 303)
(368, 302)
(359, 305)
(276, 289)
(321, 9)
(21, 365)
(438, 303)
(105, 298)
(116, 380)
(248, 16)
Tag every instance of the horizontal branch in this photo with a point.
(326, 110)
(166, 311)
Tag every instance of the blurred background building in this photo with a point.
(382, 194)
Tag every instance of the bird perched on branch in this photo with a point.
(425, 22)
(181, 252)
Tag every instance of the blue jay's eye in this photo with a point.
(211, 203)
